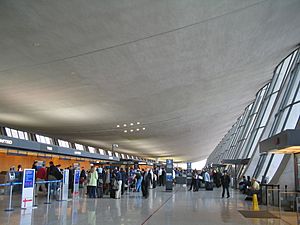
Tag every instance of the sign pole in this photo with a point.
(48, 195)
(76, 184)
(10, 199)
(169, 174)
(28, 189)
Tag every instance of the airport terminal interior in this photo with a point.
(146, 112)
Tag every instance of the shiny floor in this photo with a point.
(180, 207)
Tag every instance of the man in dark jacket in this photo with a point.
(225, 181)
(146, 183)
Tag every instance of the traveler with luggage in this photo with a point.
(208, 183)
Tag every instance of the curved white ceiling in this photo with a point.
(184, 69)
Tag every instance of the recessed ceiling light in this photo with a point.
(131, 130)
(138, 123)
(144, 128)
(125, 125)
(137, 129)
(125, 131)
(118, 125)
(131, 124)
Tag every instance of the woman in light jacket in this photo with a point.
(93, 182)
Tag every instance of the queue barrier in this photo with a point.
(12, 184)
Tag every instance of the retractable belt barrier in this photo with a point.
(11, 184)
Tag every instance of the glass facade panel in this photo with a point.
(275, 109)
(293, 117)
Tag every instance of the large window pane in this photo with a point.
(293, 117)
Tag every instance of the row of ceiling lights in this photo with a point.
(137, 129)
(131, 124)
(130, 127)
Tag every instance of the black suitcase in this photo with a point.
(112, 193)
(209, 186)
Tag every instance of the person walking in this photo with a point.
(193, 182)
(225, 181)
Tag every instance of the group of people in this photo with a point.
(205, 178)
(114, 182)
(249, 187)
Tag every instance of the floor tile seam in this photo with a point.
(155, 211)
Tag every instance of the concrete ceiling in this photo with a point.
(184, 69)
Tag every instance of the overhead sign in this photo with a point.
(5, 141)
(27, 188)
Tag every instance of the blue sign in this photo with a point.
(29, 179)
(77, 176)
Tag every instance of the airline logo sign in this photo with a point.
(5, 141)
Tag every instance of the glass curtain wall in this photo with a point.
(276, 108)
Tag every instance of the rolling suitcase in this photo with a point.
(209, 186)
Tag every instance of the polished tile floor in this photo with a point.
(179, 207)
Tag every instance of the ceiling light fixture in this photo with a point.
(131, 130)
(131, 124)
(144, 128)
(137, 129)
(138, 123)
(125, 131)
(118, 125)
(125, 125)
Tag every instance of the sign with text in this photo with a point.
(76, 183)
(27, 188)
(169, 175)
(65, 185)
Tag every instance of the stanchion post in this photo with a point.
(10, 199)
(48, 195)
(60, 192)
(35, 191)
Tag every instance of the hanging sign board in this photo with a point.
(76, 183)
(65, 185)
(27, 188)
